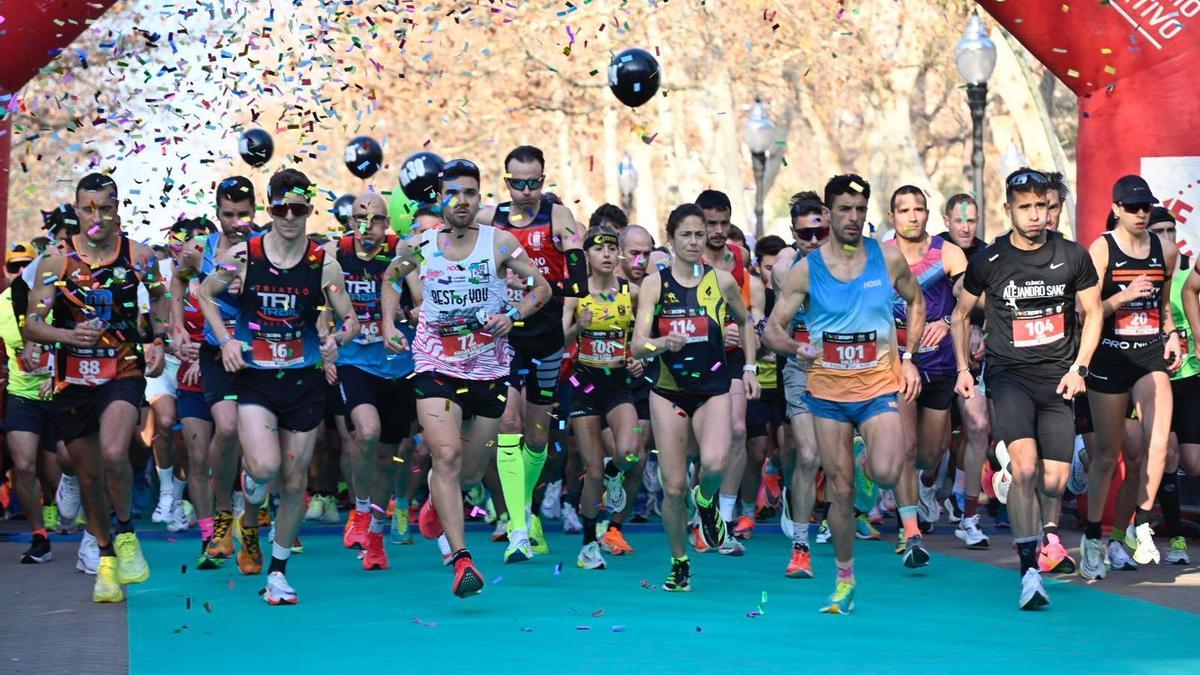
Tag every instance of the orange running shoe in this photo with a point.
(264, 516)
(744, 529)
(357, 526)
(250, 558)
(428, 521)
(1054, 558)
(613, 542)
(221, 545)
(376, 557)
(698, 542)
(800, 566)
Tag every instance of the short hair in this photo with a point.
(526, 153)
(630, 230)
(714, 200)
(736, 234)
(1038, 187)
(771, 244)
(1059, 184)
(459, 168)
(95, 182)
(908, 190)
(846, 184)
(805, 204)
(235, 189)
(679, 213)
(552, 198)
(426, 210)
(62, 217)
(958, 200)
(193, 227)
(609, 213)
(288, 180)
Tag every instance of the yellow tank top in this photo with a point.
(604, 342)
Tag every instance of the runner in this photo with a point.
(600, 323)
(99, 370)
(937, 265)
(845, 289)
(1036, 358)
(461, 351)
(159, 427)
(609, 215)
(1138, 346)
(681, 314)
(549, 234)
(273, 353)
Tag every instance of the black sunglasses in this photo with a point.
(1137, 207)
(810, 233)
(1026, 177)
(290, 209)
(525, 183)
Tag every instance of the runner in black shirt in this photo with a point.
(1036, 356)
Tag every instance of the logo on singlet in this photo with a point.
(481, 272)
(277, 304)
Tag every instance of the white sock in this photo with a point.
(362, 505)
(179, 486)
(280, 552)
(726, 504)
(164, 480)
(800, 533)
(379, 523)
(73, 480)
(960, 480)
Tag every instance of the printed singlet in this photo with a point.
(1137, 323)
(697, 312)
(536, 236)
(604, 342)
(363, 284)
(278, 309)
(938, 290)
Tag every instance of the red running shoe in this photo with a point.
(376, 558)
(467, 580)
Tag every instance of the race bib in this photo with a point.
(277, 354)
(1136, 322)
(91, 369)
(1035, 328)
(368, 333)
(800, 334)
(602, 346)
(468, 345)
(695, 327)
(849, 351)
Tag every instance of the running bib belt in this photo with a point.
(1137, 323)
(697, 312)
(605, 339)
(535, 234)
(278, 310)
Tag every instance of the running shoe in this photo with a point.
(1002, 479)
(590, 558)
(823, 533)
(679, 580)
(256, 493)
(954, 507)
(537, 537)
(571, 524)
(132, 567)
(915, 554)
(927, 503)
(1033, 591)
(744, 529)
(107, 587)
(428, 522)
(901, 542)
(1077, 481)
(519, 548)
(500, 533)
(467, 580)
(50, 518)
(887, 501)
(207, 562)
(162, 512)
(400, 533)
(732, 547)
(771, 491)
(330, 515)
(1144, 552)
(38, 552)
(614, 498)
(552, 501)
(476, 496)
(221, 545)
(785, 520)
(697, 540)
(376, 557)
(250, 558)
(841, 601)
(88, 558)
(1053, 557)
(297, 545)
(1118, 558)
(357, 526)
(863, 529)
(278, 591)
(970, 534)
(67, 498)
(179, 519)
(264, 515)
(1091, 559)
(1177, 553)
(800, 564)
(613, 542)
(712, 527)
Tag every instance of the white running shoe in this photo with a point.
(1002, 479)
(732, 547)
(500, 532)
(67, 498)
(1145, 552)
(278, 591)
(552, 501)
(316, 508)
(970, 534)
(519, 549)
(1177, 552)
(1077, 481)
(927, 503)
(166, 505)
(590, 557)
(1091, 559)
(1033, 592)
(330, 514)
(785, 520)
(614, 489)
(178, 521)
(823, 533)
(88, 560)
(571, 524)
(1118, 558)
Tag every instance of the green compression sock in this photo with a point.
(510, 466)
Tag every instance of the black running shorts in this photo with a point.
(77, 409)
(1027, 406)
(392, 398)
(1115, 371)
(536, 366)
(296, 396)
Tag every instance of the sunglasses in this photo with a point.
(364, 221)
(525, 183)
(1027, 177)
(16, 267)
(290, 210)
(1139, 207)
(811, 233)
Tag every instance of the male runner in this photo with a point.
(274, 352)
(549, 234)
(100, 367)
(846, 290)
(1036, 358)
(609, 215)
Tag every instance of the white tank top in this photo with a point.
(459, 296)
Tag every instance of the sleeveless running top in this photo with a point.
(1191, 364)
(853, 330)
(536, 236)
(363, 282)
(1137, 323)
(278, 309)
(768, 372)
(938, 290)
(799, 325)
(460, 296)
(107, 292)
(698, 312)
(226, 301)
(604, 342)
(193, 323)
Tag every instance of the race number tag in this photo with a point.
(467, 345)
(800, 334)
(694, 326)
(602, 346)
(277, 354)
(1038, 327)
(369, 333)
(849, 351)
(1137, 322)
(91, 369)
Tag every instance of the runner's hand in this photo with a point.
(394, 340)
(673, 342)
(805, 351)
(1139, 288)
(47, 389)
(733, 336)
(910, 381)
(329, 349)
(753, 388)
(978, 345)
(331, 374)
(191, 376)
(635, 367)
(498, 325)
(188, 351)
(154, 359)
(29, 357)
(935, 332)
(83, 335)
(1173, 353)
(231, 355)
(1071, 385)
(965, 385)
(583, 320)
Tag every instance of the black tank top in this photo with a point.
(1138, 323)
(699, 312)
(279, 308)
(536, 235)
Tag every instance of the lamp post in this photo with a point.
(627, 177)
(760, 134)
(975, 57)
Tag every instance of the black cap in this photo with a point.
(1133, 189)
(1160, 215)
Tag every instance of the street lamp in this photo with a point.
(627, 177)
(975, 57)
(760, 134)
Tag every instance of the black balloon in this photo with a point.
(633, 77)
(256, 147)
(419, 177)
(364, 156)
(342, 209)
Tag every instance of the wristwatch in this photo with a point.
(1080, 370)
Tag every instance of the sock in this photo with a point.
(124, 526)
(800, 534)
(1117, 533)
(1092, 530)
(680, 559)
(107, 550)
(379, 522)
(908, 516)
(165, 477)
(459, 555)
(970, 505)
(279, 558)
(401, 502)
(533, 461)
(206, 528)
(611, 469)
(589, 530)
(1047, 530)
(41, 532)
(960, 481)
(511, 468)
(178, 486)
(726, 505)
(1168, 500)
(571, 499)
(614, 524)
(1027, 549)
(845, 571)
(1142, 517)
(928, 478)
(362, 505)
(702, 501)
(748, 509)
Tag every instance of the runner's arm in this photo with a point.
(230, 266)
(1171, 254)
(41, 301)
(960, 328)
(518, 261)
(1093, 323)
(790, 299)
(571, 326)
(339, 303)
(178, 295)
(907, 287)
(645, 346)
(1191, 304)
(568, 237)
(742, 314)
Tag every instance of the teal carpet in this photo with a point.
(956, 616)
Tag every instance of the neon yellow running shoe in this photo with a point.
(50, 517)
(107, 587)
(841, 601)
(537, 538)
(132, 567)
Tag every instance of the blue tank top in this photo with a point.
(364, 279)
(938, 290)
(278, 309)
(227, 303)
